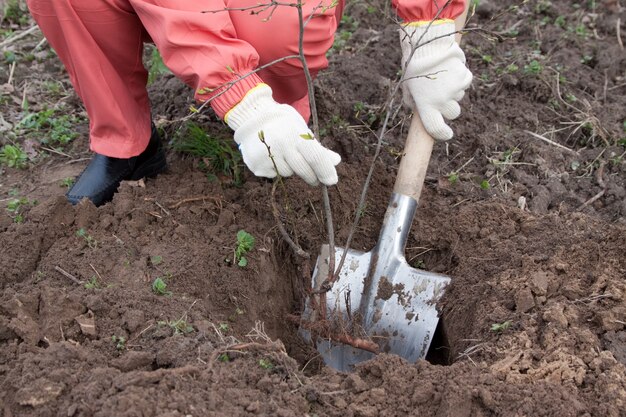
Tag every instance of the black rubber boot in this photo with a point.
(102, 177)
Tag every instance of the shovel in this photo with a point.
(395, 303)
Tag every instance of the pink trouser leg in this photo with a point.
(100, 43)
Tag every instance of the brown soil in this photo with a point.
(539, 253)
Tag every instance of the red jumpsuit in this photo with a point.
(100, 42)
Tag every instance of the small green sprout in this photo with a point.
(223, 357)
(91, 242)
(485, 185)
(453, 177)
(266, 364)
(179, 326)
(223, 327)
(159, 287)
(533, 67)
(13, 156)
(93, 283)
(511, 68)
(245, 243)
(500, 327)
(560, 21)
(156, 260)
(419, 264)
(120, 342)
(67, 182)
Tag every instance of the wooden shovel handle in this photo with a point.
(414, 163)
(418, 147)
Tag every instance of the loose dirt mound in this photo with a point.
(533, 235)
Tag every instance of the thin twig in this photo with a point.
(193, 199)
(68, 275)
(361, 205)
(276, 212)
(601, 183)
(558, 145)
(97, 273)
(52, 150)
(19, 36)
(11, 72)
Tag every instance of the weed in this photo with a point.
(120, 342)
(245, 243)
(93, 283)
(586, 60)
(58, 127)
(419, 264)
(363, 210)
(571, 98)
(266, 364)
(159, 287)
(511, 68)
(504, 160)
(238, 312)
(216, 154)
(179, 326)
(484, 184)
(500, 327)
(581, 30)
(487, 59)
(223, 357)
(91, 241)
(156, 260)
(453, 177)
(67, 182)
(13, 156)
(9, 57)
(533, 67)
(560, 21)
(156, 67)
(543, 6)
(346, 29)
(52, 87)
(15, 205)
(224, 327)
(14, 11)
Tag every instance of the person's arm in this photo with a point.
(427, 10)
(203, 50)
(435, 77)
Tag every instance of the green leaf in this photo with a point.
(156, 259)
(500, 327)
(245, 240)
(307, 136)
(243, 262)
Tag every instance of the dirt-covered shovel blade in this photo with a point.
(378, 293)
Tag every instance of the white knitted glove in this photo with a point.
(436, 77)
(291, 143)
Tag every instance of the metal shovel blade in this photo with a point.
(396, 303)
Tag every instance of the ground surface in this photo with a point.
(533, 234)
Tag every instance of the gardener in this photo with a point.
(100, 42)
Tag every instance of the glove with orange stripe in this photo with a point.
(292, 147)
(436, 77)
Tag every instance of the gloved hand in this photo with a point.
(436, 76)
(292, 145)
